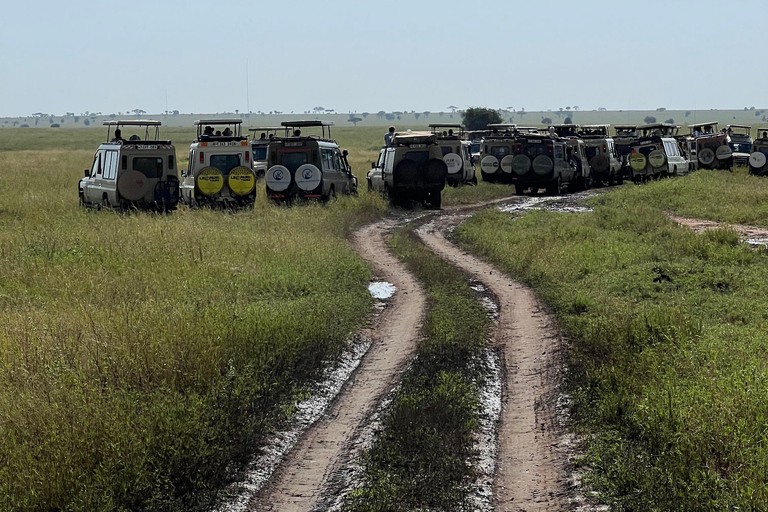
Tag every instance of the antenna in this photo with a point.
(247, 90)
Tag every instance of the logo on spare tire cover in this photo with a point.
(307, 174)
(489, 164)
(278, 175)
(454, 162)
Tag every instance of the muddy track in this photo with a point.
(299, 484)
(530, 473)
(751, 234)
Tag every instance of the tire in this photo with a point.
(556, 187)
(105, 203)
(519, 189)
(435, 200)
(370, 186)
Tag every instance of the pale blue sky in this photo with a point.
(388, 55)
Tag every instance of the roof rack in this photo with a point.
(218, 121)
(146, 123)
(308, 124)
(410, 138)
(205, 130)
(699, 125)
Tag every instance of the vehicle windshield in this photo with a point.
(260, 153)
(225, 163)
(743, 147)
(151, 167)
(293, 160)
(475, 147)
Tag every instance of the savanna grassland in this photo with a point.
(144, 357)
(669, 372)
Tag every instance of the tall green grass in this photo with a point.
(668, 351)
(420, 459)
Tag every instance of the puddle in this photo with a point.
(381, 289)
(757, 242)
(566, 204)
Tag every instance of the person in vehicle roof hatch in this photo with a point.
(388, 136)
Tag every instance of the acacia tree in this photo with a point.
(477, 118)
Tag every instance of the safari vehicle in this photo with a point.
(576, 153)
(219, 171)
(259, 143)
(625, 136)
(456, 153)
(758, 158)
(740, 141)
(410, 169)
(132, 173)
(656, 153)
(497, 147)
(601, 154)
(712, 149)
(303, 167)
(541, 161)
(476, 143)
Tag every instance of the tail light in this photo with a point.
(202, 157)
(518, 148)
(549, 148)
(247, 156)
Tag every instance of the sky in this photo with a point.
(424, 55)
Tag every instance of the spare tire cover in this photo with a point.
(600, 163)
(706, 156)
(489, 164)
(406, 173)
(657, 158)
(278, 178)
(542, 164)
(637, 162)
(757, 159)
(210, 181)
(519, 164)
(724, 152)
(454, 163)
(435, 171)
(308, 177)
(133, 185)
(241, 180)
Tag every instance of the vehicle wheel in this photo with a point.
(556, 187)
(370, 186)
(473, 181)
(619, 179)
(435, 200)
(519, 189)
(104, 202)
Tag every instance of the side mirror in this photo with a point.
(87, 174)
(345, 152)
(183, 173)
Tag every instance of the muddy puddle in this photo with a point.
(573, 203)
(381, 289)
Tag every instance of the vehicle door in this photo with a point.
(329, 172)
(109, 176)
(90, 187)
(469, 168)
(341, 173)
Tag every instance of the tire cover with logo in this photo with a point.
(638, 162)
(657, 158)
(210, 181)
(542, 164)
(706, 156)
(489, 164)
(519, 164)
(724, 152)
(133, 185)
(278, 178)
(600, 163)
(241, 180)
(757, 159)
(454, 163)
(308, 177)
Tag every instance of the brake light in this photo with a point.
(518, 148)
(202, 157)
(549, 148)
(605, 149)
(247, 156)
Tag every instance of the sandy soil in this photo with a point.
(531, 471)
(749, 233)
(304, 476)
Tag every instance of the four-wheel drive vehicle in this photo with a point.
(758, 158)
(626, 134)
(135, 172)
(654, 156)
(307, 167)
(601, 154)
(712, 149)
(476, 143)
(542, 161)
(219, 170)
(456, 153)
(740, 141)
(411, 169)
(497, 148)
(259, 145)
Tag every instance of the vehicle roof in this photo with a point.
(657, 125)
(218, 121)
(445, 125)
(595, 125)
(696, 125)
(132, 122)
(739, 126)
(571, 125)
(265, 128)
(625, 126)
(501, 125)
(406, 138)
(301, 124)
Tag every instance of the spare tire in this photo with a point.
(637, 162)
(519, 164)
(308, 177)
(657, 158)
(454, 163)
(278, 178)
(133, 185)
(435, 171)
(542, 165)
(241, 181)
(706, 156)
(406, 173)
(600, 163)
(724, 152)
(489, 164)
(757, 159)
(209, 181)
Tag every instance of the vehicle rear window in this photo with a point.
(294, 160)
(499, 151)
(446, 150)
(419, 157)
(741, 147)
(225, 163)
(592, 152)
(646, 150)
(534, 150)
(623, 149)
(151, 167)
(260, 154)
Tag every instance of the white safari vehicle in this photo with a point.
(740, 140)
(541, 160)
(410, 169)
(219, 171)
(657, 154)
(601, 154)
(457, 153)
(260, 139)
(496, 152)
(307, 166)
(712, 149)
(758, 158)
(132, 171)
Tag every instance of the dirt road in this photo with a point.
(299, 484)
(530, 474)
